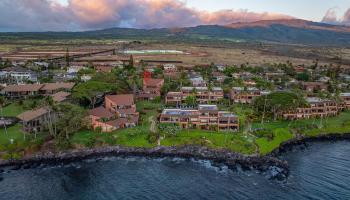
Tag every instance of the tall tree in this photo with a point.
(276, 103)
(67, 58)
(71, 119)
(49, 103)
(191, 100)
(2, 103)
(131, 62)
(91, 90)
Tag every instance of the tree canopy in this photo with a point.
(276, 103)
(90, 91)
(72, 118)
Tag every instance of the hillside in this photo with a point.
(292, 31)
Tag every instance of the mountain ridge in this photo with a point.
(291, 31)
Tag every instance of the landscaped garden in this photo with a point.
(254, 136)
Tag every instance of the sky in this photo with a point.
(78, 15)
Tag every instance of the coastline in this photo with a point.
(288, 145)
(228, 158)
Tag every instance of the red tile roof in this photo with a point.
(57, 86)
(122, 99)
(23, 88)
(122, 121)
(153, 82)
(32, 114)
(60, 96)
(101, 112)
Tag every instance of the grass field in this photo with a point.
(13, 132)
(311, 127)
(280, 135)
(12, 110)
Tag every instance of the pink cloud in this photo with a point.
(332, 18)
(93, 14)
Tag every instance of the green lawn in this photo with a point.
(280, 135)
(311, 127)
(132, 137)
(13, 132)
(13, 110)
(236, 142)
(339, 124)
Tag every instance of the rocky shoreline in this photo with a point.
(290, 144)
(232, 160)
(278, 168)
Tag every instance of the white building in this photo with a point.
(17, 75)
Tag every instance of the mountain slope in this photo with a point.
(282, 31)
(296, 23)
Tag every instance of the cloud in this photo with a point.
(30, 15)
(346, 17)
(40, 15)
(332, 18)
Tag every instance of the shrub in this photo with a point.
(152, 138)
(264, 133)
(171, 129)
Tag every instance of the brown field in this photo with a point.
(195, 54)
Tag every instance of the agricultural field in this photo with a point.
(234, 53)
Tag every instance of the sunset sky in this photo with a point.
(76, 15)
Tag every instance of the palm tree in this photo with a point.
(50, 104)
(2, 102)
(134, 83)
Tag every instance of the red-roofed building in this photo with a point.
(151, 89)
(119, 112)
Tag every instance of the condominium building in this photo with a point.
(244, 95)
(119, 112)
(206, 117)
(346, 99)
(151, 89)
(313, 86)
(317, 107)
(203, 95)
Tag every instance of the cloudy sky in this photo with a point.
(77, 15)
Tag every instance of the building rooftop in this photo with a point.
(217, 89)
(179, 112)
(122, 99)
(191, 88)
(17, 69)
(316, 100)
(227, 114)
(32, 114)
(153, 82)
(347, 94)
(23, 88)
(248, 89)
(101, 112)
(207, 107)
(57, 86)
(60, 96)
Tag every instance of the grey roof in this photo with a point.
(17, 69)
